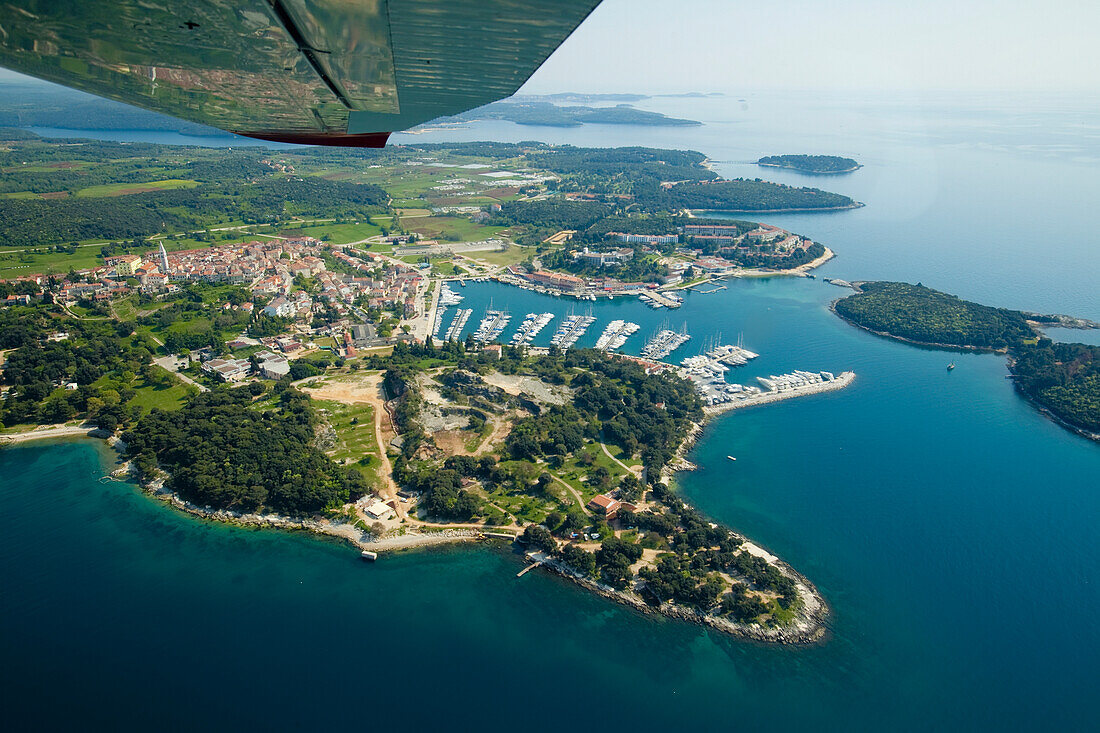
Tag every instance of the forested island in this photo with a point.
(810, 163)
(1063, 379)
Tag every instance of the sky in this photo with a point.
(670, 46)
(917, 45)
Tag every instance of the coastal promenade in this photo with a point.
(765, 398)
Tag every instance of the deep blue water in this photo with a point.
(950, 526)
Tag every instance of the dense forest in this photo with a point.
(742, 195)
(922, 314)
(102, 358)
(630, 171)
(32, 222)
(1064, 378)
(220, 451)
(645, 414)
(810, 163)
(55, 192)
(553, 213)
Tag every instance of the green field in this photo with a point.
(166, 398)
(355, 441)
(338, 233)
(450, 228)
(123, 189)
(513, 255)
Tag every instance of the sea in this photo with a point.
(950, 526)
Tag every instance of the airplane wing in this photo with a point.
(330, 72)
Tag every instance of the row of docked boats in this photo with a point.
(530, 328)
(616, 334)
(570, 331)
(491, 326)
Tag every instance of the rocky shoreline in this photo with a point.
(808, 628)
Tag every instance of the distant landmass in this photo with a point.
(578, 98)
(37, 104)
(810, 163)
(552, 115)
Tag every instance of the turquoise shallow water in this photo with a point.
(951, 526)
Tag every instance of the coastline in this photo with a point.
(800, 271)
(853, 205)
(808, 626)
(46, 432)
(808, 170)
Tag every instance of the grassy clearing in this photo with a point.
(124, 189)
(355, 440)
(46, 262)
(452, 228)
(160, 396)
(513, 254)
(339, 233)
(574, 472)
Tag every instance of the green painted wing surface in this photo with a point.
(310, 70)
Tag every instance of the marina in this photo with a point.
(448, 297)
(615, 335)
(655, 299)
(730, 355)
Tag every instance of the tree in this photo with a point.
(538, 536)
(579, 559)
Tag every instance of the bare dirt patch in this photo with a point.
(532, 387)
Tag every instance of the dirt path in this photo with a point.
(571, 490)
(501, 428)
(636, 471)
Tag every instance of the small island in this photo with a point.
(810, 163)
(1061, 379)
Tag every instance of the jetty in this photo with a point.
(656, 299)
(785, 388)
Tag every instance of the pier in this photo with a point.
(661, 299)
(751, 399)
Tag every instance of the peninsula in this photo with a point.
(1061, 379)
(568, 452)
(810, 163)
(260, 329)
